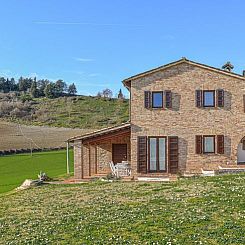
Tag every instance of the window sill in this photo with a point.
(157, 108)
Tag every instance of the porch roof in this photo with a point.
(110, 131)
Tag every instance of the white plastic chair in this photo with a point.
(114, 169)
(123, 168)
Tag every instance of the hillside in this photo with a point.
(74, 112)
(190, 211)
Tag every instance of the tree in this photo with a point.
(7, 86)
(72, 90)
(2, 84)
(13, 85)
(22, 85)
(41, 84)
(49, 90)
(60, 88)
(120, 94)
(33, 90)
(107, 93)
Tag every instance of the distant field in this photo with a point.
(204, 210)
(15, 169)
(13, 136)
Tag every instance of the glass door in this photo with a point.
(157, 154)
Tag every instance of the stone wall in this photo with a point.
(92, 159)
(184, 119)
(104, 153)
(78, 160)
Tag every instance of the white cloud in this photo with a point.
(83, 59)
(6, 73)
(84, 23)
(93, 75)
(102, 85)
(34, 74)
(75, 72)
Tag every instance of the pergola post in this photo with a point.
(67, 158)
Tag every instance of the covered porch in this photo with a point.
(93, 152)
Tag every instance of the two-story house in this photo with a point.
(184, 117)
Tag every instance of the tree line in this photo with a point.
(37, 88)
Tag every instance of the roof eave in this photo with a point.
(127, 81)
(100, 132)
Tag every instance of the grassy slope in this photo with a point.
(15, 169)
(190, 211)
(80, 112)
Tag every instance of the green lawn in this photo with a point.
(201, 210)
(14, 169)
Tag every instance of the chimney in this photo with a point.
(228, 67)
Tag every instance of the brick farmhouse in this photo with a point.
(184, 117)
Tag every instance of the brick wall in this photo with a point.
(185, 120)
(92, 159)
(78, 160)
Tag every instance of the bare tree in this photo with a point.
(107, 93)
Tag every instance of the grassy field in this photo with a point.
(191, 211)
(14, 136)
(15, 169)
(75, 112)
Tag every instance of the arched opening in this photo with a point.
(241, 151)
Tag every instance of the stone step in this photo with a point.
(99, 175)
(230, 169)
(239, 166)
(153, 179)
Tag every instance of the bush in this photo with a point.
(25, 97)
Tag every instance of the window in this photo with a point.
(157, 99)
(209, 144)
(157, 154)
(208, 98)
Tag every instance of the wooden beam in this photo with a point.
(107, 137)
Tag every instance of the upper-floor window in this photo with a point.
(157, 99)
(208, 98)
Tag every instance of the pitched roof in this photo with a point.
(127, 81)
(101, 132)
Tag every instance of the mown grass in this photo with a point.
(190, 211)
(14, 169)
(76, 112)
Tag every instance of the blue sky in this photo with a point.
(97, 44)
